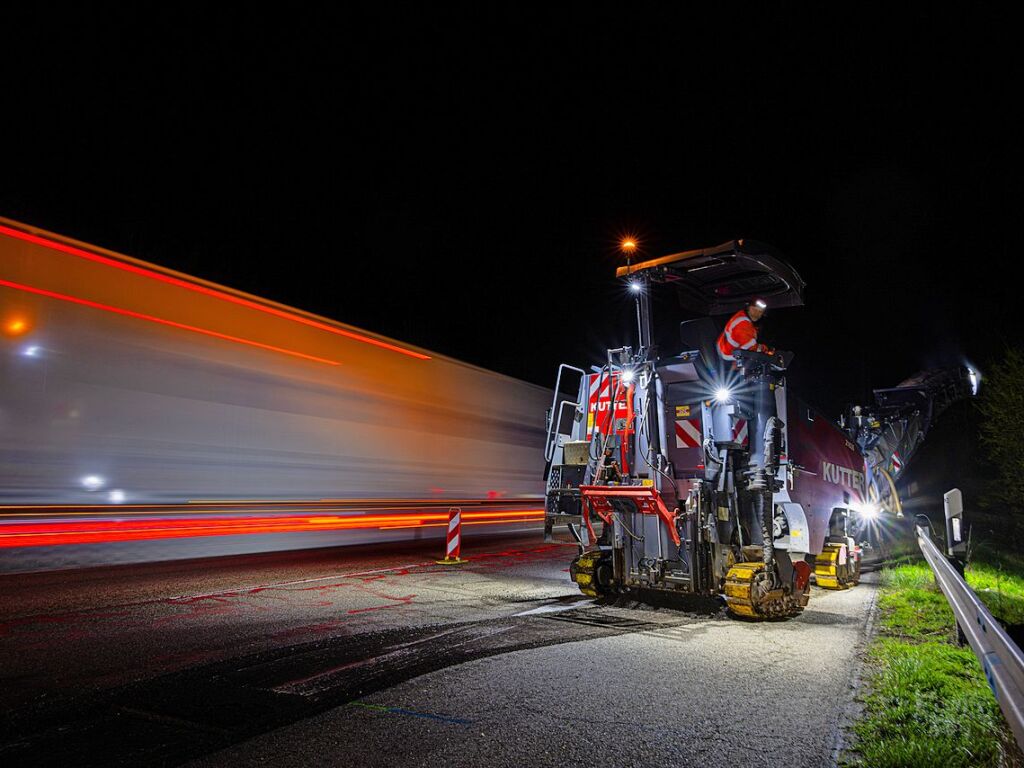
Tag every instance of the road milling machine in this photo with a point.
(679, 472)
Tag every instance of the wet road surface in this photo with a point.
(358, 657)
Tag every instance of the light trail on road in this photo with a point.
(107, 529)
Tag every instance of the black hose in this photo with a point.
(767, 546)
(928, 522)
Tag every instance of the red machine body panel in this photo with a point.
(605, 419)
(830, 470)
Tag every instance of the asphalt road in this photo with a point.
(358, 657)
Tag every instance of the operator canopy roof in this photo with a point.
(723, 279)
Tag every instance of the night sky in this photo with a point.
(458, 177)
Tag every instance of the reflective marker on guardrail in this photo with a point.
(1000, 657)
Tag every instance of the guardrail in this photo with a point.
(1000, 657)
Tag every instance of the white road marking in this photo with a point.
(556, 608)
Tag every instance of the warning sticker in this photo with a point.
(688, 433)
(682, 411)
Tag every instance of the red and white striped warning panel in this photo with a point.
(688, 433)
(897, 463)
(740, 432)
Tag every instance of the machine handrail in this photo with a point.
(556, 416)
(1001, 659)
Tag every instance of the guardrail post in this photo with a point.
(956, 544)
(956, 535)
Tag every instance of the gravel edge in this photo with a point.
(852, 708)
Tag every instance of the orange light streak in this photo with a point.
(537, 519)
(107, 261)
(161, 321)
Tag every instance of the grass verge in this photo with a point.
(927, 701)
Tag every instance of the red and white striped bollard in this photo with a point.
(454, 543)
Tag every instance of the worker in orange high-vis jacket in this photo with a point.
(741, 332)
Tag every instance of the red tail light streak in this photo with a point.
(103, 531)
(205, 290)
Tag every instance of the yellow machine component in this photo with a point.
(829, 573)
(739, 587)
(583, 571)
(894, 496)
(749, 593)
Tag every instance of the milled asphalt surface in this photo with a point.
(705, 691)
(364, 657)
(69, 632)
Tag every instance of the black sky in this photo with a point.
(458, 176)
